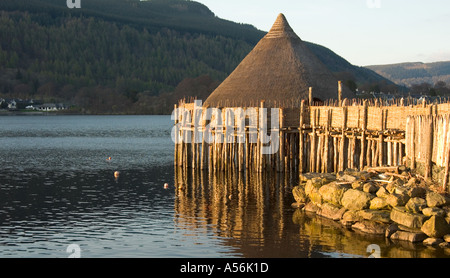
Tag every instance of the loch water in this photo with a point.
(58, 190)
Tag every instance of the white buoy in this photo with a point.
(166, 185)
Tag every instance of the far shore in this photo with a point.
(65, 113)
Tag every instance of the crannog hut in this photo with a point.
(280, 70)
(231, 129)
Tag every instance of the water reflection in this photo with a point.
(252, 213)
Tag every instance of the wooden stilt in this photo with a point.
(301, 145)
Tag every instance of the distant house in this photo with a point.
(12, 104)
(3, 103)
(47, 107)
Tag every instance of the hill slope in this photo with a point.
(415, 73)
(128, 56)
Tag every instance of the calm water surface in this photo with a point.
(57, 188)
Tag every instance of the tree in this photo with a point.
(441, 88)
(421, 88)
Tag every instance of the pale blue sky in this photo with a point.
(365, 32)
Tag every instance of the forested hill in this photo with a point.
(128, 56)
(409, 74)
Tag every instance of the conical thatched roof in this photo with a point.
(280, 70)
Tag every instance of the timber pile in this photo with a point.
(388, 201)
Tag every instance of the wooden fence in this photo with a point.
(331, 138)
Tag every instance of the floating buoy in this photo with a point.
(166, 185)
(108, 159)
(116, 174)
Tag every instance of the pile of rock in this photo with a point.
(386, 201)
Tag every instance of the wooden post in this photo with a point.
(363, 135)
(342, 145)
(310, 96)
(447, 153)
(301, 137)
(380, 142)
(204, 146)
(281, 139)
(260, 154)
(335, 154)
(175, 153)
(340, 92)
(312, 156)
(325, 166)
(429, 145)
(412, 142)
(369, 152)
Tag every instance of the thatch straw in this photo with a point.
(280, 70)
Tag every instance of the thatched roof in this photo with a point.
(280, 70)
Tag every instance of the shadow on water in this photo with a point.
(252, 213)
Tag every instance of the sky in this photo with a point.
(364, 32)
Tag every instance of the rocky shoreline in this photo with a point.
(385, 201)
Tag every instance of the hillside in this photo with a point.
(409, 74)
(130, 56)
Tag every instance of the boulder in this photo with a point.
(379, 203)
(297, 205)
(406, 218)
(431, 241)
(435, 199)
(347, 178)
(395, 200)
(311, 185)
(331, 211)
(382, 216)
(444, 244)
(357, 184)
(370, 227)
(400, 190)
(370, 188)
(416, 191)
(356, 200)
(382, 192)
(312, 191)
(436, 226)
(365, 176)
(390, 187)
(447, 238)
(411, 182)
(416, 204)
(322, 178)
(433, 211)
(408, 236)
(311, 207)
(332, 193)
(315, 197)
(390, 230)
(299, 194)
(350, 217)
